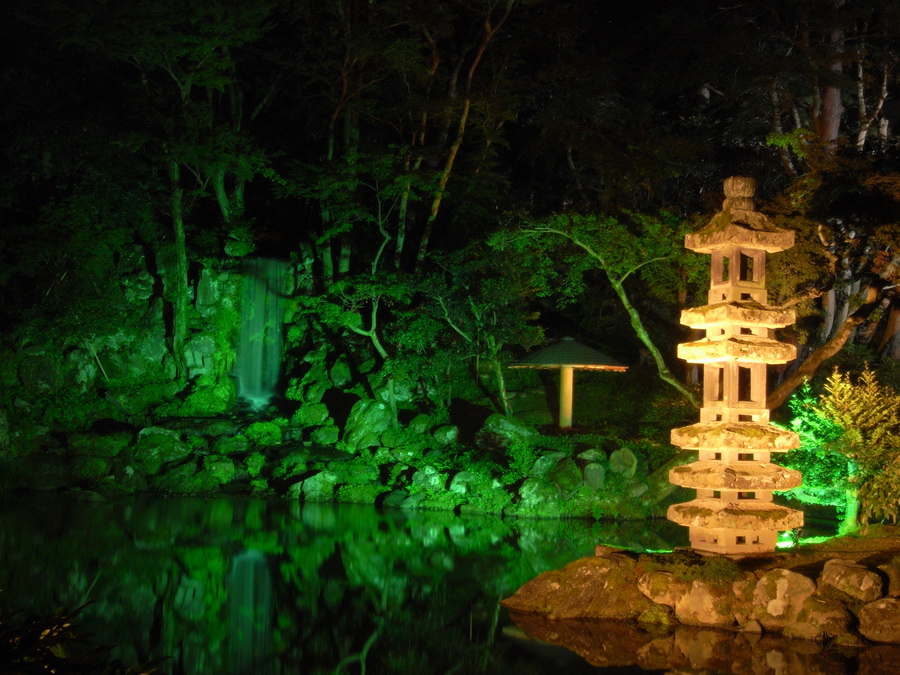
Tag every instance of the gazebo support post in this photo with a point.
(566, 387)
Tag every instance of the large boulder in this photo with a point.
(367, 421)
(566, 476)
(446, 434)
(157, 447)
(594, 475)
(353, 472)
(319, 487)
(536, 495)
(852, 579)
(819, 619)
(779, 596)
(589, 588)
(502, 430)
(879, 621)
(547, 462)
(706, 603)
(623, 462)
(892, 571)
(310, 415)
(663, 587)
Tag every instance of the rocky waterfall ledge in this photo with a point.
(649, 604)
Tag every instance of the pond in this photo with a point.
(234, 586)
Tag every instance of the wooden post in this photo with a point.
(566, 385)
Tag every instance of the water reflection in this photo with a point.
(703, 650)
(243, 586)
(270, 588)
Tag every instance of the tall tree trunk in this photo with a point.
(829, 127)
(829, 309)
(890, 340)
(490, 30)
(219, 189)
(442, 184)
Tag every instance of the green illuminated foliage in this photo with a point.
(851, 437)
(562, 250)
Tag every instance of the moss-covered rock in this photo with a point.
(220, 469)
(156, 447)
(327, 435)
(99, 445)
(446, 434)
(360, 494)
(230, 445)
(566, 476)
(264, 433)
(319, 487)
(367, 421)
(310, 415)
(504, 431)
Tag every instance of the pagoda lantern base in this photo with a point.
(726, 541)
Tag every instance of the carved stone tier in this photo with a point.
(752, 515)
(748, 476)
(740, 227)
(746, 348)
(746, 313)
(740, 436)
(728, 541)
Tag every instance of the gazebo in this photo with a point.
(567, 354)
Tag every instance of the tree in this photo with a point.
(183, 58)
(484, 302)
(404, 101)
(560, 250)
(860, 422)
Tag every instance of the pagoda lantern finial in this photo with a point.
(733, 477)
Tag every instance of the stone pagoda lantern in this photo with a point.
(734, 479)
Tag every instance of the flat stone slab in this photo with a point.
(740, 515)
(741, 436)
(746, 313)
(713, 475)
(748, 348)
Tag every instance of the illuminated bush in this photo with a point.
(850, 438)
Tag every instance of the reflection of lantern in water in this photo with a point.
(733, 511)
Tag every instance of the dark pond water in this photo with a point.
(230, 586)
(243, 586)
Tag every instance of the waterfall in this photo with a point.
(259, 350)
(250, 611)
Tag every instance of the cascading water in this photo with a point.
(262, 323)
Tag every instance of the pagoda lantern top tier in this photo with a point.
(739, 224)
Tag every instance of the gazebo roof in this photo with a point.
(570, 353)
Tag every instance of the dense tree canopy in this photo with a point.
(370, 143)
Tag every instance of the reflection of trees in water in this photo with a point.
(334, 587)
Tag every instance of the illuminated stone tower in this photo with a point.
(733, 477)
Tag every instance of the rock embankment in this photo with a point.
(845, 600)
